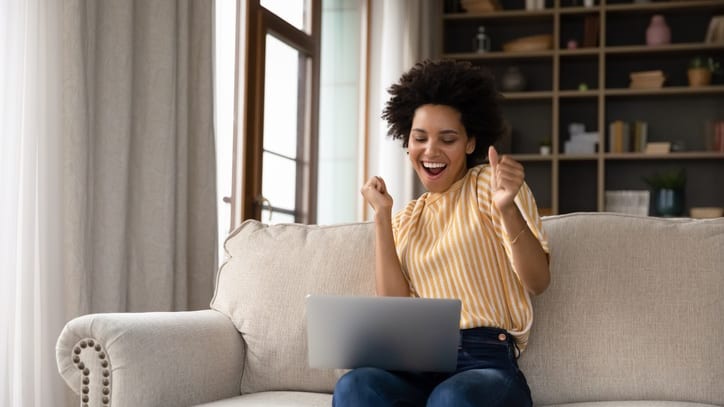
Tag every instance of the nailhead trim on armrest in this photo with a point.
(81, 347)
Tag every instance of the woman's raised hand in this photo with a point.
(375, 193)
(508, 176)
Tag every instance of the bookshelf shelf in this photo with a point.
(579, 52)
(676, 113)
(516, 15)
(532, 157)
(500, 55)
(578, 93)
(662, 49)
(659, 6)
(527, 95)
(692, 155)
(672, 90)
(578, 157)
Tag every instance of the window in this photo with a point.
(277, 146)
(342, 111)
(283, 137)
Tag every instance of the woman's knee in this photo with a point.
(359, 386)
(487, 387)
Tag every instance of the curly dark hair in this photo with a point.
(467, 88)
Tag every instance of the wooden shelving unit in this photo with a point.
(677, 112)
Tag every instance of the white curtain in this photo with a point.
(107, 172)
(31, 205)
(404, 33)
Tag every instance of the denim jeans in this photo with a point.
(487, 374)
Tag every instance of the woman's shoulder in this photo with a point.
(404, 214)
(479, 176)
(480, 170)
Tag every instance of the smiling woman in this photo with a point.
(475, 235)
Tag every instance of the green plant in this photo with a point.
(706, 63)
(546, 141)
(675, 179)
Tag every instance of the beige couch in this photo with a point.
(634, 316)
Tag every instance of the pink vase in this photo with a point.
(658, 33)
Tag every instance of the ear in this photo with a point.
(470, 145)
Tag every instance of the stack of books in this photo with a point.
(647, 80)
(480, 6)
(624, 137)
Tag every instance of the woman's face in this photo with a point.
(438, 146)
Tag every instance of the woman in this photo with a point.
(475, 235)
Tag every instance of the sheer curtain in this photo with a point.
(405, 35)
(107, 172)
(31, 156)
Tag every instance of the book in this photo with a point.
(647, 79)
(659, 147)
(715, 31)
(590, 31)
(619, 139)
(719, 137)
(640, 135)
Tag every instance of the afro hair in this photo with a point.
(467, 88)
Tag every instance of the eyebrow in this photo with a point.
(446, 131)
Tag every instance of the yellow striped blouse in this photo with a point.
(454, 245)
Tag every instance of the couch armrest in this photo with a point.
(151, 359)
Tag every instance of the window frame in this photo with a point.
(254, 22)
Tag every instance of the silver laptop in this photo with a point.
(393, 333)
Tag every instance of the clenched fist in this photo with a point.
(375, 193)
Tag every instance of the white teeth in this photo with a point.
(433, 165)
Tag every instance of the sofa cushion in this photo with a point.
(634, 311)
(640, 403)
(283, 399)
(262, 287)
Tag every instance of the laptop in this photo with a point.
(392, 333)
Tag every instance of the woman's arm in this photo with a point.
(389, 280)
(529, 259)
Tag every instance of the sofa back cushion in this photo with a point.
(635, 311)
(262, 287)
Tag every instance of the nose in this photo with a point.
(432, 148)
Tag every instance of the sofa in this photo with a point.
(634, 316)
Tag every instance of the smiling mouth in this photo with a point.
(433, 168)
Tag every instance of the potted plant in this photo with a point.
(668, 192)
(701, 70)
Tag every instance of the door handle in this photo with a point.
(263, 202)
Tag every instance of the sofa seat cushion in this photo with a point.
(277, 399)
(262, 288)
(641, 403)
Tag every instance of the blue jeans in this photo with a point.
(487, 375)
